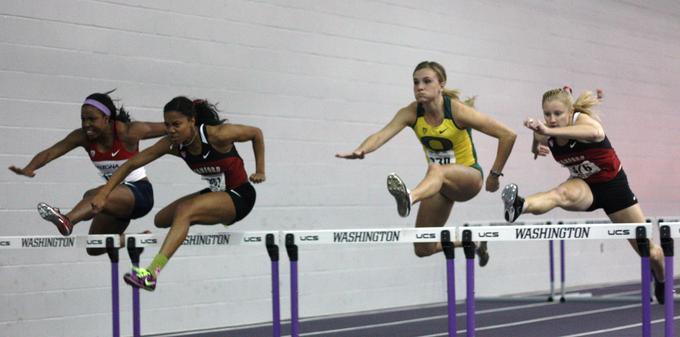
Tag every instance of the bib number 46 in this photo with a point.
(583, 170)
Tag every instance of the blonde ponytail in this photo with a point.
(451, 93)
(470, 101)
(585, 102)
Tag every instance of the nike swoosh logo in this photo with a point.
(113, 154)
(206, 155)
(572, 144)
(442, 131)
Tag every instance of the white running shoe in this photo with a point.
(513, 202)
(401, 194)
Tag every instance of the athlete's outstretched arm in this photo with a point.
(404, 117)
(230, 133)
(469, 117)
(146, 130)
(74, 139)
(150, 154)
(586, 129)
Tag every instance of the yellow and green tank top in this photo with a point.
(446, 143)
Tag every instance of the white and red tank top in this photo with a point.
(109, 161)
(592, 162)
(222, 171)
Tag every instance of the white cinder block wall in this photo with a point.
(317, 77)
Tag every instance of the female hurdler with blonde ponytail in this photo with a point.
(443, 125)
(574, 135)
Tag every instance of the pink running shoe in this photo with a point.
(53, 215)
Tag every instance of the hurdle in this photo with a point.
(111, 242)
(586, 296)
(551, 264)
(267, 239)
(366, 237)
(638, 231)
(668, 231)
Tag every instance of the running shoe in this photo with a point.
(513, 202)
(401, 194)
(483, 254)
(140, 278)
(53, 215)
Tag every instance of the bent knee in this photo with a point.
(161, 221)
(90, 193)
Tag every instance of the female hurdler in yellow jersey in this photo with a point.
(443, 125)
(446, 143)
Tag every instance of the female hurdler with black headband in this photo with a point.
(443, 125)
(574, 135)
(109, 138)
(208, 146)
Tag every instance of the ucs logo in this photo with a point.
(150, 241)
(488, 234)
(426, 236)
(617, 232)
(252, 239)
(309, 238)
(5, 243)
(95, 242)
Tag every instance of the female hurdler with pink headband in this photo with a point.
(109, 138)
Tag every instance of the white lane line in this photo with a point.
(542, 319)
(622, 327)
(429, 318)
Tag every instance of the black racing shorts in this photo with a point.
(243, 197)
(613, 195)
(143, 193)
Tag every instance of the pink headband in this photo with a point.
(95, 103)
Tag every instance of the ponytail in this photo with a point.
(451, 93)
(206, 113)
(201, 110)
(585, 102)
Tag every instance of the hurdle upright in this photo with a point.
(640, 232)
(110, 242)
(266, 239)
(668, 232)
(365, 237)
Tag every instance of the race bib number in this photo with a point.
(216, 182)
(440, 157)
(583, 170)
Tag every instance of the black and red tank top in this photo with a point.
(109, 161)
(592, 162)
(222, 171)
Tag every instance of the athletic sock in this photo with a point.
(157, 264)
